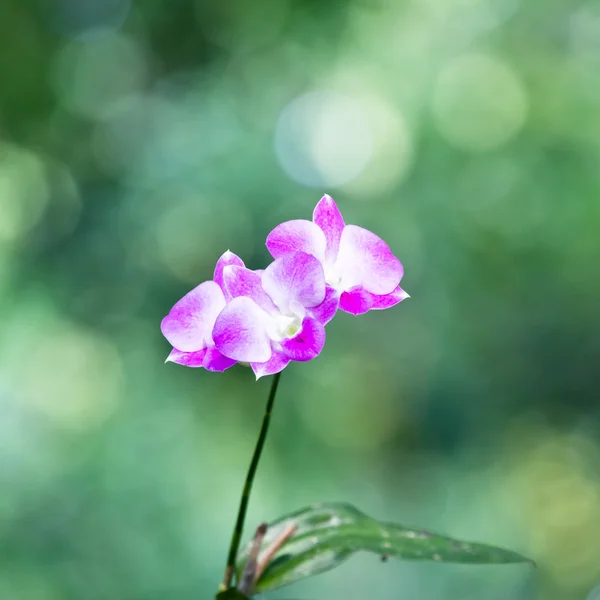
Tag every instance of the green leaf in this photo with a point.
(327, 534)
(231, 594)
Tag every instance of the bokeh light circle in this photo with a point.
(392, 151)
(478, 103)
(323, 139)
(24, 191)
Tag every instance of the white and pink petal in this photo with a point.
(189, 324)
(240, 281)
(240, 332)
(307, 343)
(275, 364)
(209, 358)
(329, 219)
(389, 300)
(358, 301)
(297, 236)
(227, 259)
(217, 362)
(325, 311)
(187, 359)
(365, 260)
(295, 278)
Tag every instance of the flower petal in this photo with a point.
(329, 218)
(358, 301)
(189, 325)
(209, 358)
(215, 361)
(228, 258)
(389, 300)
(295, 278)
(187, 359)
(297, 236)
(325, 311)
(240, 332)
(277, 363)
(307, 344)
(364, 259)
(239, 281)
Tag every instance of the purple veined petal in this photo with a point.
(240, 332)
(228, 258)
(216, 362)
(358, 301)
(297, 236)
(275, 364)
(209, 358)
(365, 260)
(307, 344)
(239, 281)
(325, 311)
(329, 218)
(295, 278)
(189, 325)
(389, 300)
(187, 359)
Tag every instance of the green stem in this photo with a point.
(239, 524)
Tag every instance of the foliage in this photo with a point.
(328, 534)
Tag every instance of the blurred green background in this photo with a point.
(140, 140)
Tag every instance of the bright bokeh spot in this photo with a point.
(478, 103)
(67, 374)
(393, 151)
(554, 484)
(23, 191)
(323, 138)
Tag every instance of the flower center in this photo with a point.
(285, 327)
(333, 276)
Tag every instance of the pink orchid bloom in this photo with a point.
(275, 316)
(189, 325)
(359, 266)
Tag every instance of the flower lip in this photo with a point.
(283, 327)
(287, 324)
(333, 276)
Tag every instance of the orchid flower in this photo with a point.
(274, 316)
(360, 269)
(189, 325)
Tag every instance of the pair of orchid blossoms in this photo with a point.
(268, 318)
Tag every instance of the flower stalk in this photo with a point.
(241, 517)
